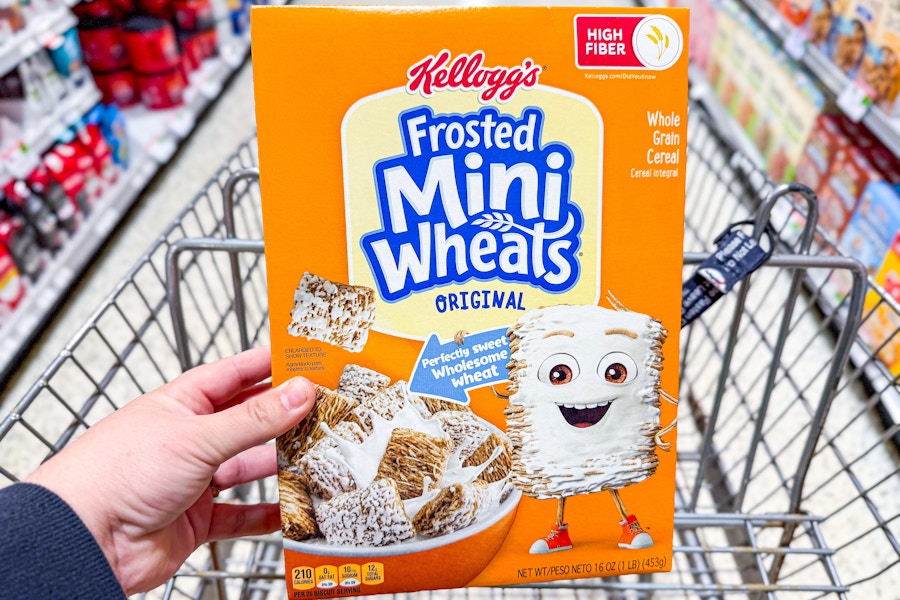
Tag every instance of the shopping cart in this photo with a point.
(787, 485)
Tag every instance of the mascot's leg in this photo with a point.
(633, 536)
(558, 538)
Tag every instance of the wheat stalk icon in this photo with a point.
(659, 40)
(503, 222)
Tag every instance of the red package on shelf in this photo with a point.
(39, 216)
(91, 139)
(12, 285)
(885, 161)
(102, 44)
(22, 244)
(117, 87)
(71, 167)
(95, 8)
(67, 211)
(825, 141)
(151, 45)
(193, 15)
(162, 90)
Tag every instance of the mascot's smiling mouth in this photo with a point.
(585, 415)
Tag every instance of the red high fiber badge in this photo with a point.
(626, 42)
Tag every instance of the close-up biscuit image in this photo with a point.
(332, 312)
(375, 465)
(583, 413)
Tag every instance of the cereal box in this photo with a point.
(473, 229)
(855, 28)
(841, 191)
(869, 232)
(819, 26)
(826, 140)
(879, 329)
(879, 72)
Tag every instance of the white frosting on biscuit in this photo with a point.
(348, 482)
(362, 459)
(585, 403)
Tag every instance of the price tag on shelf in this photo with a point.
(141, 174)
(162, 148)
(182, 123)
(19, 163)
(233, 55)
(29, 46)
(46, 38)
(45, 299)
(211, 89)
(854, 102)
(795, 45)
(61, 278)
(58, 129)
(190, 95)
(106, 221)
(73, 115)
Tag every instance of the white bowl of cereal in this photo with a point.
(377, 472)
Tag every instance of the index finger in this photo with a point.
(204, 388)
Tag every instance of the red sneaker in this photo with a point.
(633, 536)
(557, 540)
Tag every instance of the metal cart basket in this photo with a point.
(787, 483)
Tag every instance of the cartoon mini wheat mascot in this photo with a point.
(583, 412)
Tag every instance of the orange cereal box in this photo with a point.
(473, 229)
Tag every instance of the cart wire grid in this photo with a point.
(787, 472)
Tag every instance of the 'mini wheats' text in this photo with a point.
(474, 196)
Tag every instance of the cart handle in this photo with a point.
(812, 212)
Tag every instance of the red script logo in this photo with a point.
(466, 72)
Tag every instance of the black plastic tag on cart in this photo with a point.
(737, 255)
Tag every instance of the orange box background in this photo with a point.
(312, 65)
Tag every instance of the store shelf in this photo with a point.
(747, 161)
(159, 132)
(154, 137)
(882, 126)
(40, 137)
(44, 295)
(701, 91)
(26, 42)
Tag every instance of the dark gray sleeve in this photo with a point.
(47, 552)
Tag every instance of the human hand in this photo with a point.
(140, 478)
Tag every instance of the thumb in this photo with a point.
(259, 419)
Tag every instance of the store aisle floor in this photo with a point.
(230, 121)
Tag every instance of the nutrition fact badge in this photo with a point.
(308, 581)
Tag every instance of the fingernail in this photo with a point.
(295, 392)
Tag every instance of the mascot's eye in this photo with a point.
(558, 369)
(617, 367)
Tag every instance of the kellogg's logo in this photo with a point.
(467, 72)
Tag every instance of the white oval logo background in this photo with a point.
(658, 42)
